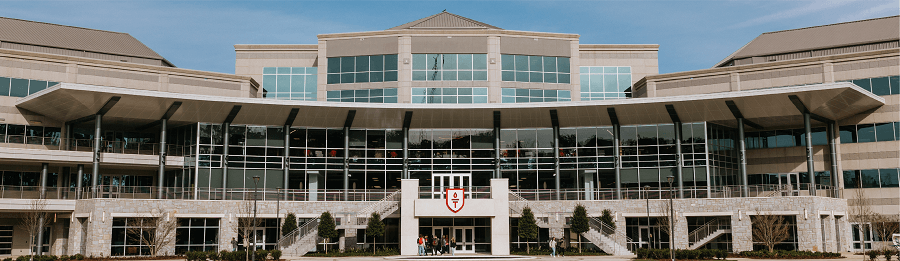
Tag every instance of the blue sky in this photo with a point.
(200, 34)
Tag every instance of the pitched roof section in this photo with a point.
(822, 37)
(73, 38)
(444, 20)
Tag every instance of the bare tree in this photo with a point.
(156, 231)
(33, 221)
(244, 227)
(663, 221)
(885, 225)
(769, 229)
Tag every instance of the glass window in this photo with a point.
(603, 82)
(851, 179)
(869, 178)
(544, 69)
(18, 88)
(449, 67)
(866, 132)
(514, 95)
(361, 69)
(881, 86)
(848, 134)
(884, 131)
(889, 178)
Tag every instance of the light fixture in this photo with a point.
(405, 60)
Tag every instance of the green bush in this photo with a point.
(262, 254)
(785, 254)
(702, 254)
(8, 259)
(357, 252)
(276, 254)
(873, 254)
(888, 253)
(78, 257)
(212, 255)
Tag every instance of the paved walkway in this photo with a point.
(847, 257)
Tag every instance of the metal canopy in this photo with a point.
(771, 108)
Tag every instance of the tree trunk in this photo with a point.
(579, 242)
(527, 247)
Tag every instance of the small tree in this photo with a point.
(245, 224)
(375, 228)
(607, 218)
(769, 229)
(528, 228)
(580, 222)
(156, 232)
(290, 224)
(33, 221)
(327, 228)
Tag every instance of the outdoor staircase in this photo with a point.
(304, 238)
(600, 234)
(708, 232)
(604, 237)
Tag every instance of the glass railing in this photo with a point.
(87, 145)
(34, 192)
(735, 191)
(471, 192)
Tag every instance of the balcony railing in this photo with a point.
(471, 192)
(689, 192)
(87, 145)
(34, 192)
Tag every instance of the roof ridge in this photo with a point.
(420, 21)
(85, 28)
(468, 19)
(849, 22)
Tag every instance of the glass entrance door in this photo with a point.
(443, 181)
(465, 242)
(260, 238)
(788, 183)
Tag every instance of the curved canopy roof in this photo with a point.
(770, 108)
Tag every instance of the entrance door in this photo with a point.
(443, 181)
(260, 238)
(788, 183)
(646, 237)
(465, 241)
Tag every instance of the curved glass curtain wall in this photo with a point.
(526, 156)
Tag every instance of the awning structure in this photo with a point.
(770, 108)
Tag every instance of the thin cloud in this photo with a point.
(887, 9)
(812, 7)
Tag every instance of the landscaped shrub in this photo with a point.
(276, 254)
(680, 253)
(78, 257)
(357, 252)
(8, 259)
(784, 254)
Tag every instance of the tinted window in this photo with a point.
(866, 132)
(848, 134)
(880, 86)
(869, 178)
(889, 178)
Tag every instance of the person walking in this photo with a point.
(434, 245)
(446, 242)
(552, 244)
(452, 246)
(421, 243)
(234, 244)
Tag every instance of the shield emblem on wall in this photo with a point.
(455, 199)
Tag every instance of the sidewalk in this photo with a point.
(847, 257)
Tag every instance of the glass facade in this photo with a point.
(6, 235)
(22, 87)
(362, 69)
(290, 83)
(872, 178)
(723, 159)
(197, 234)
(784, 138)
(886, 131)
(451, 151)
(388, 95)
(605, 82)
(526, 68)
(513, 95)
(880, 86)
(449, 67)
(450, 95)
(36, 135)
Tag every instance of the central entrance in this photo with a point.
(442, 181)
(472, 235)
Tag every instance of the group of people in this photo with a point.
(436, 245)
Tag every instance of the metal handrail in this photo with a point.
(292, 237)
(87, 145)
(707, 229)
(381, 206)
(34, 192)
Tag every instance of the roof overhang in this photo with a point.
(771, 108)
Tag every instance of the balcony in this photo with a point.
(689, 192)
(87, 145)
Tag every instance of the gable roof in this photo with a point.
(821, 37)
(445, 20)
(73, 38)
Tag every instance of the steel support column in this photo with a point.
(556, 173)
(95, 171)
(225, 133)
(810, 164)
(346, 162)
(497, 173)
(832, 149)
(287, 161)
(78, 182)
(163, 124)
(44, 169)
(405, 134)
(742, 157)
(617, 160)
(679, 169)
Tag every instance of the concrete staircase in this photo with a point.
(304, 239)
(600, 234)
(708, 232)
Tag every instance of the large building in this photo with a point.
(102, 133)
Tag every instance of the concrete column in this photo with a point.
(346, 162)
(741, 233)
(163, 125)
(681, 229)
(827, 73)
(225, 133)
(617, 160)
(810, 164)
(735, 82)
(500, 221)
(95, 171)
(405, 174)
(409, 224)
(78, 185)
(809, 230)
(556, 159)
(68, 141)
(679, 169)
(742, 156)
(44, 169)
